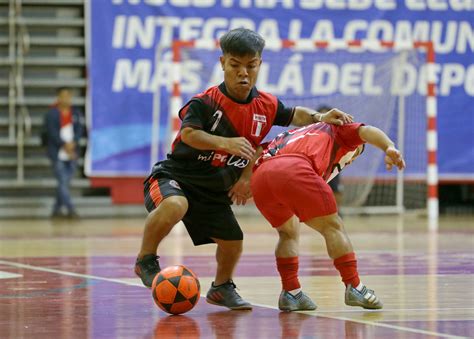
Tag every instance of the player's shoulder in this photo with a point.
(348, 126)
(209, 96)
(209, 92)
(266, 96)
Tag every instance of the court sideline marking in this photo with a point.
(119, 281)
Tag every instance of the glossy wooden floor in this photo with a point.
(75, 280)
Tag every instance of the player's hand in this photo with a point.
(240, 147)
(393, 157)
(240, 192)
(337, 117)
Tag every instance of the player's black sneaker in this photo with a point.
(147, 268)
(226, 295)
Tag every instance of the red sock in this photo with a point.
(288, 268)
(347, 267)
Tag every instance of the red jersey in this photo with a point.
(328, 147)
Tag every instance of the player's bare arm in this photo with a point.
(305, 116)
(379, 139)
(240, 192)
(201, 140)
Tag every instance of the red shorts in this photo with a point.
(284, 186)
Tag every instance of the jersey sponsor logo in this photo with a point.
(174, 183)
(222, 159)
(259, 122)
(219, 159)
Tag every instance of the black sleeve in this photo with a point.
(284, 115)
(193, 114)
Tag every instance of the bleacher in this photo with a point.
(42, 47)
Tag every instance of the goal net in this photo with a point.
(379, 83)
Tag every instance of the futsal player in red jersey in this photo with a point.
(289, 184)
(211, 162)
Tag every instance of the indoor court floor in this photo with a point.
(74, 279)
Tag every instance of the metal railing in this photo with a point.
(12, 73)
(19, 128)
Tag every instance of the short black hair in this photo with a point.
(242, 42)
(62, 88)
(323, 108)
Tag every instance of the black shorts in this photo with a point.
(204, 219)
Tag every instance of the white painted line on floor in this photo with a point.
(385, 310)
(131, 282)
(372, 323)
(8, 275)
(71, 274)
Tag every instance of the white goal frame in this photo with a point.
(307, 45)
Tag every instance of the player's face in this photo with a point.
(240, 74)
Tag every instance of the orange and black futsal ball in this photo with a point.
(176, 289)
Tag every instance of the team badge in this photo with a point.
(259, 122)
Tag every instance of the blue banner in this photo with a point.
(130, 80)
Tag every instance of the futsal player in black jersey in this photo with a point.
(210, 164)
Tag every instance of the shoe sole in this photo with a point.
(236, 308)
(149, 287)
(297, 309)
(363, 306)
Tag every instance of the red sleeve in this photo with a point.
(347, 135)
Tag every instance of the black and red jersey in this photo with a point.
(214, 112)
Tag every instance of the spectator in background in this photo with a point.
(335, 184)
(62, 131)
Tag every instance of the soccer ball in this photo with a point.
(176, 289)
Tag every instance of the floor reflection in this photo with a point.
(177, 326)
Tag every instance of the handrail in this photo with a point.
(24, 118)
(11, 75)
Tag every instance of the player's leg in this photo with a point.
(292, 298)
(340, 249)
(228, 253)
(220, 226)
(272, 195)
(167, 205)
(223, 290)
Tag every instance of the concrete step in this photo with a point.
(47, 61)
(40, 183)
(42, 101)
(48, 201)
(32, 141)
(48, 83)
(111, 211)
(31, 162)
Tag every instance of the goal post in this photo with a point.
(324, 72)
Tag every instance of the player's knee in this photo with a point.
(231, 248)
(333, 222)
(289, 230)
(170, 211)
(288, 234)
